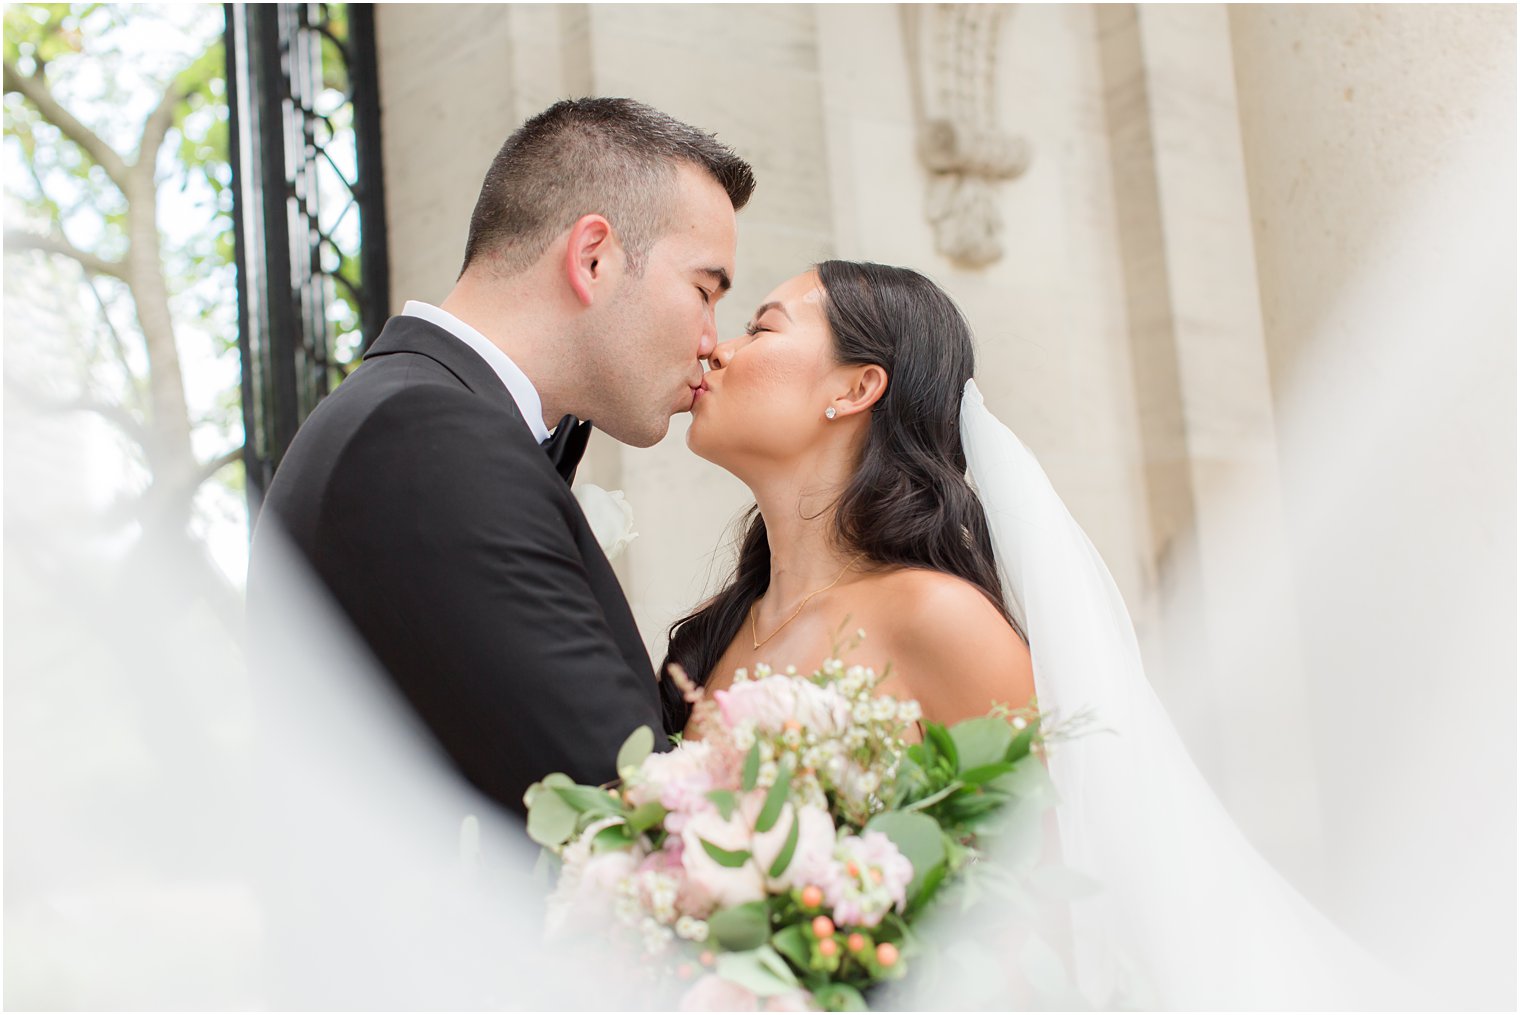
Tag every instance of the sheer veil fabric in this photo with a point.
(1184, 898)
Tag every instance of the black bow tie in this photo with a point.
(566, 445)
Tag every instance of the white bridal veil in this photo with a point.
(1183, 895)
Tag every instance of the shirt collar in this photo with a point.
(518, 386)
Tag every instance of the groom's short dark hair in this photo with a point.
(606, 156)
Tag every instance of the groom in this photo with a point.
(420, 491)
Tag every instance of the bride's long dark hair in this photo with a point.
(908, 503)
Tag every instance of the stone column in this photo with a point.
(446, 84)
(1231, 673)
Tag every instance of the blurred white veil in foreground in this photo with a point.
(187, 831)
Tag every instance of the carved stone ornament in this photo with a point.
(952, 52)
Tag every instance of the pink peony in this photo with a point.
(681, 779)
(770, 702)
(713, 993)
(867, 877)
(814, 851)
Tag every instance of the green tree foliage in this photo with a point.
(118, 219)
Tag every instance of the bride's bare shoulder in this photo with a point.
(951, 645)
(919, 596)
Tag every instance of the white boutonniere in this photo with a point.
(610, 515)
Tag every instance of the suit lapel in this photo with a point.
(413, 335)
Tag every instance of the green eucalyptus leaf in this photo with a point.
(726, 857)
(635, 749)
(740, 928)
(547, 782)
(784, 858)
(840, 997)
(551, 820)
(981, 741)
(751, 767)
(917, 837)
(759, 970)
(927, 887)
(792, 942)
(776, 798)
(725, 801)
(611, 838)
(589, 799)
(646, 816)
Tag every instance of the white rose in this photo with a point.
(725, 886)
(815, 846)
(588, 887)
(610, 516)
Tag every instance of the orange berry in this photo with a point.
(886, 954)
(876, 875)
(812, 897)
(823, 927)
(855, 943)
(707, 958)
(828, 948)
(852, 869)
(791, 725)
(686, 971)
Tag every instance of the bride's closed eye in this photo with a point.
(754, 329)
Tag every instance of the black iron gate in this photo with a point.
(309, 211)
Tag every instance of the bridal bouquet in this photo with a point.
(783, 859)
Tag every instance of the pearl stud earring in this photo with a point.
(829, 413)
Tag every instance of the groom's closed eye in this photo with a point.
(720, 280)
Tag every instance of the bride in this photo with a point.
(838, 408)
(848, 408)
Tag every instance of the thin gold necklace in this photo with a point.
(754, 635)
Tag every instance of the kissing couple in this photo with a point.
(421, 494)
(430, 498)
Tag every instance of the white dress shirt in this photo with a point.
(518, 386)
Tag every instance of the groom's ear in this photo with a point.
(590, 253)
(867, 386)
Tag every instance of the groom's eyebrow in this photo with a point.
(720, 277)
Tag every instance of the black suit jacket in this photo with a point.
(423, 502)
